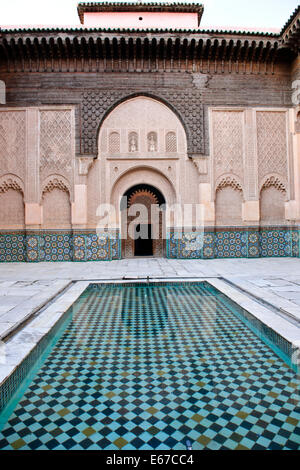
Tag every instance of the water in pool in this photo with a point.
(152, 367)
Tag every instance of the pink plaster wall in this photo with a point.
(150, 20)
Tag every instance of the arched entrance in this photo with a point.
(143, 222)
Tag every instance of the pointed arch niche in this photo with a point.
(142, 126)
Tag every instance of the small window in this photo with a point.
(171, 142)
(114, 142)
(133, 142)
(152, 142)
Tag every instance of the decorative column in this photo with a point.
(201, 162)
(293, 208)
(33, 213)
(79, 206)
(33, 210)
(250, 210)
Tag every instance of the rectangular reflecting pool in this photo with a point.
(152, 366)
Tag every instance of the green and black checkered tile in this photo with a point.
(150, 367)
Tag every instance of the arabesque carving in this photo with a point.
(276, 182)
(56, 143)
(13, 142)
(271, 143)
(229, 181)
(10, 183)
(228, 143)
(55, 183)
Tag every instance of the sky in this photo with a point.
(242, 14)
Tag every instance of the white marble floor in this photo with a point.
(25, 287)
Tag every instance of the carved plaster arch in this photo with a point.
(229, 180)
(150, 96)
(275, 181)
(140, 116)
(11, 181)
(56, 181)
(142, 175)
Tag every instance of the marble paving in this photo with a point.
(26, 287)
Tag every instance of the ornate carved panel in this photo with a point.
(228, 153)
(114, 142)
(187, 104)
(152, 142)
(171, 142)
(133, 142)
(11, 182)
(56, 155)
(271, 143)
(13, 142)
(275, 182)
(55, 183)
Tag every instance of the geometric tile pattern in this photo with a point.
(275, 243)
(236, 243)
(36, 246)
(55, 246)
(185, 244)
(295, 236)
(150, 367)
(88, 246)
(12, 247)
(96, 247)
(231, 244)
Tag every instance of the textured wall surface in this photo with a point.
(71, 141)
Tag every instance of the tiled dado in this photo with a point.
(93, 247)
(40, 246)
(87, 246)
(234, 243)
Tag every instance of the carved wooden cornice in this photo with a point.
(94, 50)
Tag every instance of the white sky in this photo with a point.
(254, 14)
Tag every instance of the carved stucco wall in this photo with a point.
(12, 214)
(12, 168)
(229, 206)
(56, 209)
(37, 146)
(56, 144)
(272, 165)
(134, 121)
(272, 206)
(187, 104)
(228, 149)
(13, 143)
(272, 144)
(249, 148)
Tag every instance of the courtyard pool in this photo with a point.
(152, 366)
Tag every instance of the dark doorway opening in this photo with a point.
(143, 245)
